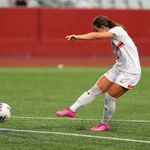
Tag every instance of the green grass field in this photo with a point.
(35, 94)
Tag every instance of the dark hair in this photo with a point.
(105, 21)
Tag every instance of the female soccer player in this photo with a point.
(123, 76)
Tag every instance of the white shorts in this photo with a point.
(124, 79)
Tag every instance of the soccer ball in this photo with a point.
(5, 112)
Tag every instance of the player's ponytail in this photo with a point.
(105, 21)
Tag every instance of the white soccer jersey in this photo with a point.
(127, 58)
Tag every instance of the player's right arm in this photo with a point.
(91, 36)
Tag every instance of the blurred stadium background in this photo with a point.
(33, 31)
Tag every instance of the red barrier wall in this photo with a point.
(41, 31)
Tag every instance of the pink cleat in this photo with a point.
(66, 112)
(100, 127)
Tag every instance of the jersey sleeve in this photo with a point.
(118, 31)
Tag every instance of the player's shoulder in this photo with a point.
(118, 31)
(117, 28)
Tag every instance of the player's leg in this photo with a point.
(123, 83)
(102, 85)
(111, 95)
(87, 97)
(110, 101)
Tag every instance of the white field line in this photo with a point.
(76, 135)
(78, 119)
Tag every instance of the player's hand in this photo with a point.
(71, 37)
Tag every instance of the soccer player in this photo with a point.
(123, 76)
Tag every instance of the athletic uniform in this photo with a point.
(127, 70)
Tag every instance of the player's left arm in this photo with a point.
(91, 36)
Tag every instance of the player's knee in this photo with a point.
(94, 90)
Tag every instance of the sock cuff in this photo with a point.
(94, 90)
(109, 97)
